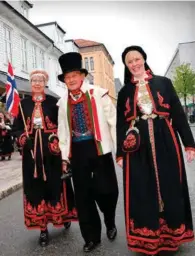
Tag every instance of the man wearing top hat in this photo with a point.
(87, 134)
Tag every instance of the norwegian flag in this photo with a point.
(12, 95)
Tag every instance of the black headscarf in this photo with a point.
(127, 73)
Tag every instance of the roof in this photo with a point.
(82, 43)
(29, 4)
(52, 23)
(30, 24)
(72, 41)
(191, 42)
(86, 43)
(23, 85)
(26, 20)
(172, 59)
(174, 55)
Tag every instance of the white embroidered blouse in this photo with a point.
(143, 99)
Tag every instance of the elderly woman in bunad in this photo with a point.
(6, 144)
(149, 119)
(47, 199)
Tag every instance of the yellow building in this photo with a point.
(97, 60)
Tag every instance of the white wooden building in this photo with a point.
(27, 47)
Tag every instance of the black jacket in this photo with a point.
(165, 102)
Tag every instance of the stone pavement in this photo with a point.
(10, 175)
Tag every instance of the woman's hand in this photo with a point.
(190, 154)
(64, 166)
(120, 163)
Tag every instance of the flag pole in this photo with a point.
(25, 127)
(21, 110)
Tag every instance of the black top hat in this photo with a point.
(71, 61)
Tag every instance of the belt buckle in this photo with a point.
(150, 116)
(38, 126)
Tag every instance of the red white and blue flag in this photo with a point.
(12, 95)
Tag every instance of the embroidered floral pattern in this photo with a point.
(44, 213)
(53, 144)
(28, 123)
(164, 229)
(163, 237)
(128, 108)
(50, 125)
(130, 141)
(161, 100)
(22, 139)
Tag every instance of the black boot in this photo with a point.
(90, 246)
(67, 225)
(9, 157)
(2, 158)
(44, 238)
(111, 233)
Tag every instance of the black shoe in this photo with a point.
(67, 225)
(44, 238)
(90, 246)
(111, 233)
(9, 157)
(2, 158)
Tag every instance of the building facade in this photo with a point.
(99, 63)
(118, 86)
(184, 54)
(27, 48)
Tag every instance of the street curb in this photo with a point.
(10, 190)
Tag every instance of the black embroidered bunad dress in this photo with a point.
(47, 199)
(157, 206)
(6, 143)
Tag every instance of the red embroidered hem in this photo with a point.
(50, 222)
(153, 241)
(162, 244)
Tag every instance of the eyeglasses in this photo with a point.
(37, 81)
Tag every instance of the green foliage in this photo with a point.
(184, 81)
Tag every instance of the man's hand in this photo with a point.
(120, 163)
(190, 154)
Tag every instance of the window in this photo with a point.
(60, 37)
(42, 61)
(24, 10)
(24, 53)
(105, 66)
(86, 63)
(7, 44)
(91, 63)
(57, 73)
(92, 80)
(34, 56)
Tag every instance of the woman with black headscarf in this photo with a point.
(150, 119)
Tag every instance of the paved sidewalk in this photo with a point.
(10, 175)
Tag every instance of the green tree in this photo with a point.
(184, 82)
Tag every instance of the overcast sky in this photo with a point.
(156, 26)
